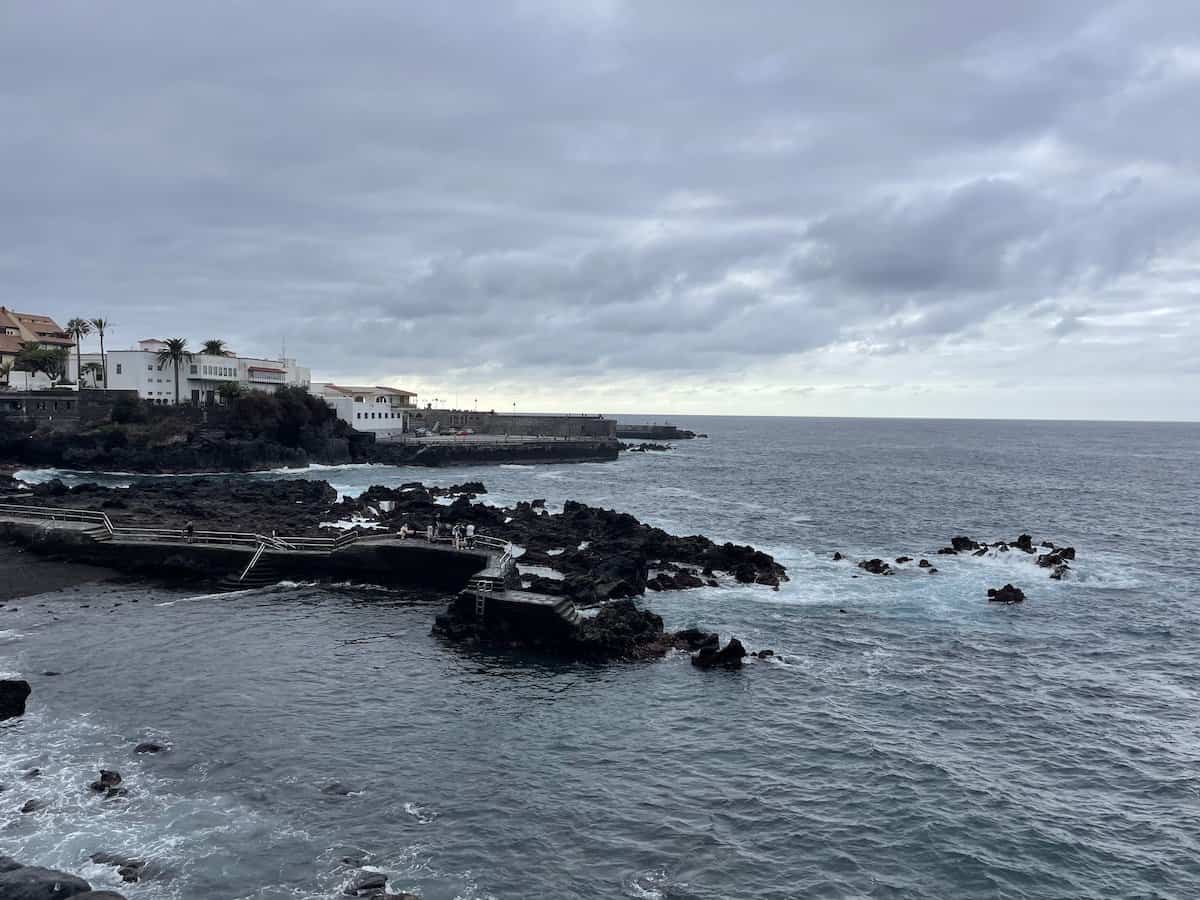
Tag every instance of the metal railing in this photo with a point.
(253, 561)
(57, 515)
(289, 544)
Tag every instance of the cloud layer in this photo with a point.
(861, 208)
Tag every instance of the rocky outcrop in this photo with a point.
(129, 868)
(620, 631)
(728, 657)
(1056, 561)
(608, 555)
(875, 567)
(1006, 594)
(13, 694)
(605, 554)
(21, 882)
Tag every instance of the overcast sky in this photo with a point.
(847, 208)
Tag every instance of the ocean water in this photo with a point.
(909, 739)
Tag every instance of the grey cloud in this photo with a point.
(540, 190)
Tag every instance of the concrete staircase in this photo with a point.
(99, 533)
(567, 611)
(262, 575)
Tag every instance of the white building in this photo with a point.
(200, 378)
(381, 410)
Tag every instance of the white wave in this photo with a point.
(514, 466)
(353, 522)
(422, 814)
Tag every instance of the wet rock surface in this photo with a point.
(1056, 559)
(606, 554)
(14, 692)
(1006, 594)
(619, 631)
(21, 882)
(728, 657)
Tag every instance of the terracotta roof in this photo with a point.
(10, 343)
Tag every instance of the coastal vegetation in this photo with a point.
(174, 354)
(100, 325)
(251, 430)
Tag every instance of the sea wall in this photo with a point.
(491, 422)
(399, 564)
(476, 452)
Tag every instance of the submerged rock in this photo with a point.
(1006, 594)
(875, 567)
(13, 694)
(150, 747)
(108, 781)
(129, 868)
(728, 657)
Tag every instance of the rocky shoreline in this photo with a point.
(601, 554)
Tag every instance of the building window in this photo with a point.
(150, 368)
(118, 368)
(195, 370)
(358, 415)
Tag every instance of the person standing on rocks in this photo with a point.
(189, 531)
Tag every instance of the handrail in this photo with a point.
(175, 535)
(254, 559)
(55, 513)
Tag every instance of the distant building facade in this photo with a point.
(18, 329)
(383, 411)
(200, 379)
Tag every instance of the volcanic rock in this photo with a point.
(875, 567)
(1006, 594)
(13, 694)
(925, 564)
(108, 780)
(149, 747)
(728, 657)
(36, 883)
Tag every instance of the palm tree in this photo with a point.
(214, 347)
(78, 329)
(176, 353)
(101, 326)
(93, 370)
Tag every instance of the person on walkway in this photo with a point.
(429, 534)
(189, 531)
(470, 534)
(404, 531)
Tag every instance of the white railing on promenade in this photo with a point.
(286, 544)
(54, 514)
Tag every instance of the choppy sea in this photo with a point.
(908, 740)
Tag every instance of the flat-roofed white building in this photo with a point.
(380, 410)
(200, 378)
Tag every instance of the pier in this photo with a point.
(246, 557)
